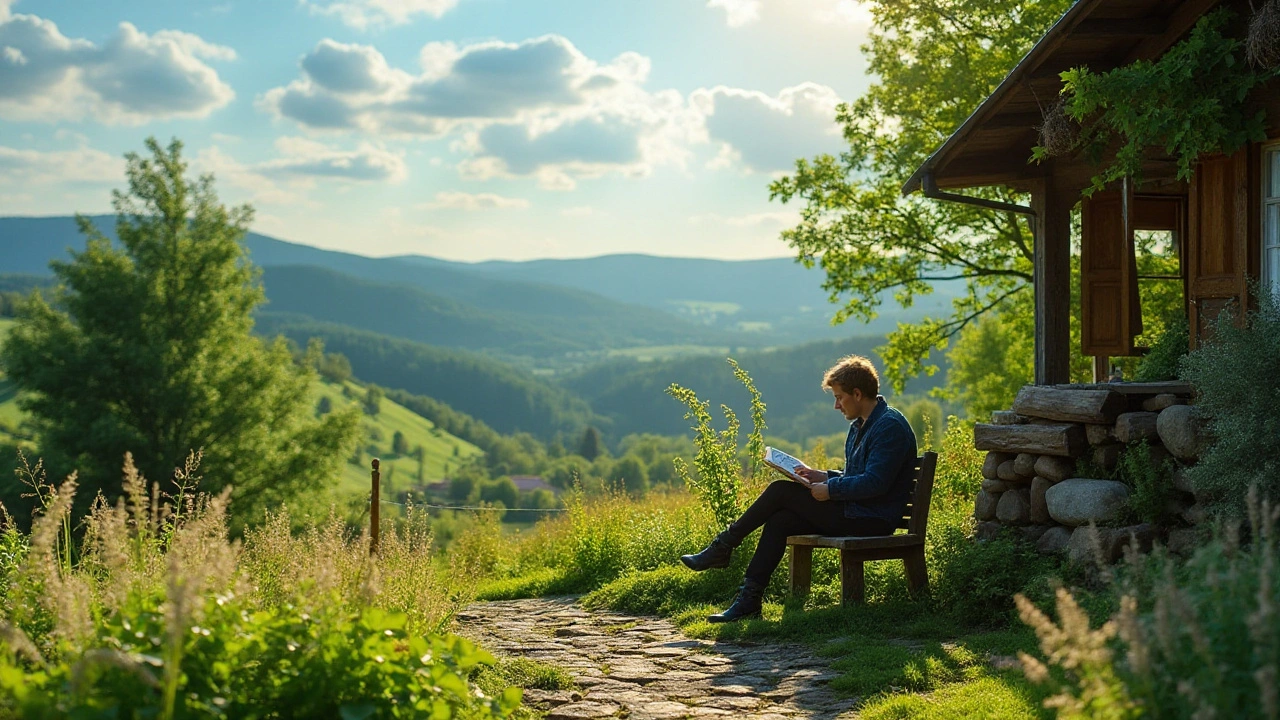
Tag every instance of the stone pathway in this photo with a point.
(642, 668)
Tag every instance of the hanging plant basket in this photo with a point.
(1058, 133)
(1262, 47)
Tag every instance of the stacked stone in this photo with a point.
(1031, 479)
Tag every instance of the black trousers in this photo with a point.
(788, 508)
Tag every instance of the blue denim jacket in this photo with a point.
(878, 460)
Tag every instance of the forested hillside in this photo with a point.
(529, 322)
(632, 394)
(778, 299)
(506, 398)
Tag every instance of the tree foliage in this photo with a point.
(146, 348)
(934, 62)
(1188, 103)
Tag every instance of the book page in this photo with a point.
(784, 463)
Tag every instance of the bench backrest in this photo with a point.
(916, 518)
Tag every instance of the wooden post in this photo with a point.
(1052, 203)
(801, 569)
(375, 505)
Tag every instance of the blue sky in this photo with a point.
(464, 129)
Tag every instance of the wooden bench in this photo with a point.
(854, 551)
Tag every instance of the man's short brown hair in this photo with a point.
(853, 372)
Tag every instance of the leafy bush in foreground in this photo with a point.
(155, 614)
(1237, 381)
(1198, 641)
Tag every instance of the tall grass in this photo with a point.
(162, 615)
(1200, 640)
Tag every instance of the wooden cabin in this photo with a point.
(1224, 223)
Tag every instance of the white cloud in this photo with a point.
(362, 14)
(132, 78)
(351, 87)
(768, 134)
(446, 200)
(302, 158)
(300, 166)
(538, 108)
(578, 211)
(739, 13)
(22, 168)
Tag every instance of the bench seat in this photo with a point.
(854, 551)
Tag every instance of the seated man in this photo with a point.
(868, 498)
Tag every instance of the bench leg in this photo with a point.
(801, 569)
(917, 573)
(852, 582)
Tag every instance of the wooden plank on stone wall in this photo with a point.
(1061, 440)
(1099, 407)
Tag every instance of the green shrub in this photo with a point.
(1198, 641)
(974, 582)
(1150, 483)
(1162, 359)
(235, 661)
(1237, 381)
(718, 480)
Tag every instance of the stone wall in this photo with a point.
(1033, 469)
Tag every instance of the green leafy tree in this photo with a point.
(146, 348)
(399, 444)
(501, 490)
(589, 446)
(373, 396)
(630, 472)
(325, 406)
(934, 63)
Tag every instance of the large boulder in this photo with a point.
(1024, 464)
(1054, 469)
(1182, 430)
(987, 531)
(1100, 434)
(992, 463)
(1014, 507)
(1039, 506)
(995, 486)
(1008, 471)
(985, 506)
(1054, 540)
(1080, 501)
(1182, 480)
(1107, 457)
(1134, 426)
(1161, 401)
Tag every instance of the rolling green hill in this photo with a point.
(441, 452)
(508, 399)
(10, 415)
(633, 394)
(546, 319)
(518, 330)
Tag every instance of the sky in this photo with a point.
(461, 129)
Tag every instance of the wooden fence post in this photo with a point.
(375, 502)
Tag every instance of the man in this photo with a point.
(869, 497)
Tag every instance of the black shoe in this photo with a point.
(747, 605)
(716, 555)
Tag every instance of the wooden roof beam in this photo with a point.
(1182, 20)
(1122, 28)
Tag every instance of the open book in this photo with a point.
(784, 463)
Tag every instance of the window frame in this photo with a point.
(1270, 276)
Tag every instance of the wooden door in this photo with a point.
(1218, 241)
(1109, 307)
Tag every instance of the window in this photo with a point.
(1271, 218)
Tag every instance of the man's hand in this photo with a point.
(820, 492)
(812, 475)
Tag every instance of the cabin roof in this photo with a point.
(993, 145)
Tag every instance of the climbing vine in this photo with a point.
(1189, 102)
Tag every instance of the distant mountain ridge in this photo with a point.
(742, 303)
(524, 318)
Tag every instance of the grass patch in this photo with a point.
(540, 583)
(990, 698)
